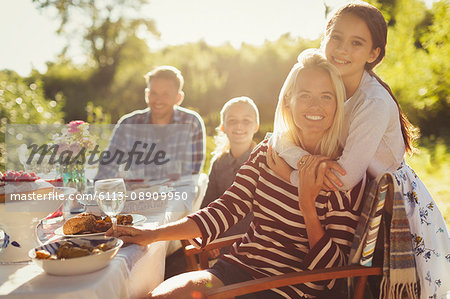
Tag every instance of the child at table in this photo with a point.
(375, 136)
(239, 121)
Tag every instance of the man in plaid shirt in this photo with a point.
(145, 142)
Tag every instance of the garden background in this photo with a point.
(110, 82)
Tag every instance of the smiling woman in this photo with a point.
(375, 137)
(314, 107)
(311, 105)
(292, 229)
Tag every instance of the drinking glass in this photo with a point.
(110, 196)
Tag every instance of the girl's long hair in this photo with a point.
(284, 125)
(378, 30)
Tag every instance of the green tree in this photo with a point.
(22, 101)
(435, 96)
(417, 62)
(107, 30)
(62, 77)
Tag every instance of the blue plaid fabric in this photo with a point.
(183, 141)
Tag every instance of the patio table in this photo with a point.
(132, 273)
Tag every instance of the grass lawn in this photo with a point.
(432, 165)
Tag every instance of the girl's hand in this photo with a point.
(278, 165)
(311, 173)
(130, 234)
(331, 180)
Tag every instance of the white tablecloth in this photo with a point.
(29, 281)
(132, 273)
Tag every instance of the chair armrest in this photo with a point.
(218, 243)
(266, 283)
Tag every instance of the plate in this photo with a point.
(79, 265)
(59, 232)
(137, 219)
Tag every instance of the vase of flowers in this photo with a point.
(74, 143)
(74, 176)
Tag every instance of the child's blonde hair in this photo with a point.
(284, 123)
(221, 139)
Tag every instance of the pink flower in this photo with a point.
(73, 126)
(74, 137)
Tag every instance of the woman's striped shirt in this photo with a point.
(276, 241)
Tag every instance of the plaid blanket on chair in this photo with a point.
(399, 271)
(399, 266)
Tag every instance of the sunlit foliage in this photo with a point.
(23, 102)
(110, 83)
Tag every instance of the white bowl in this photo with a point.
(79, 265)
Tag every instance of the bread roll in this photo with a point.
(79, 224)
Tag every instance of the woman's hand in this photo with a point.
(278, 165)
(183, 229)
(331, 180)
(311, 173)
(130, 234)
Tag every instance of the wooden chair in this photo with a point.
(378, 192)
(197, 259)
(202, 186)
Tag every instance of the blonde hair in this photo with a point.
(166, 72)
(284, 123)
(221, 139)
